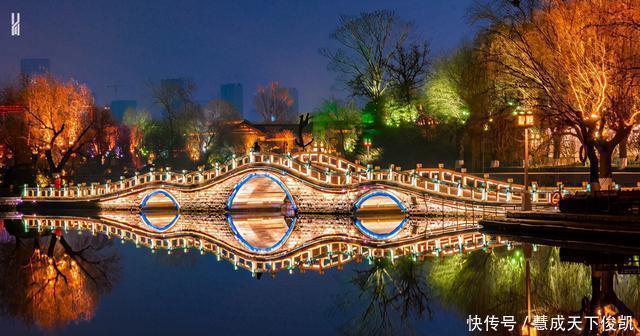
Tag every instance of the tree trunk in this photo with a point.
(557, 146)
(593, 167)
(604, 168)
(622, 150)
(52, 245)
(460, 143)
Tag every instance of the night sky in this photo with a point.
(132, 43)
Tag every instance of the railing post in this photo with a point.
(289, 160)
(369, 171)
(251, 156)
(348, 177)
(217, 169)
(234, 163)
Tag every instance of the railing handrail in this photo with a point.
(337, 171)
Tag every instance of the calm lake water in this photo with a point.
(205, 274)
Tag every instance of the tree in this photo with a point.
(367, 45)
(466, 102)
(273, 103)
(107, 135)
(575, 64)
(175, 98)
(408, 71)
(50, 279)
(336, 124)
(138, 124)
(59, 119)
(13, 131)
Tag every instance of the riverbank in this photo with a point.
(566, 226)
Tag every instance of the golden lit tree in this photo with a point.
(59, 119)
(575, 64)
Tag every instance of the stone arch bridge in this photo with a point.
(308, 182)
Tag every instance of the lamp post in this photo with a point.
(367, 143)
(525, 120)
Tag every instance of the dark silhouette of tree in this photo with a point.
(175, 98)
(393, 294)
(408, 70)
(367, 44)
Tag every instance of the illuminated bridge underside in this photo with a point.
(259, 192)
(316, 183)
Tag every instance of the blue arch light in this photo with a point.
(384, 193)
(380, 236)
(146, 220)
(261, 249)
(370, 233)
(254, 175)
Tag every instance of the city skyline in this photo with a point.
(112, 49)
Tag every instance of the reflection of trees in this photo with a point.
(393, 294)
(628, 289)
(51, 279)
(493, 283)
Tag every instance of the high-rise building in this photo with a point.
(295, 107)
(119, 107)
(232, 93)
(34, 66)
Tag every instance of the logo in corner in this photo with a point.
(15, 24)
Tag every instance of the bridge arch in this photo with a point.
(260, 190)
(380, 214)
(378, 199)
(265, 246)
(159, 210)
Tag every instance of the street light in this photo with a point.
(525, 119)
(367, 143)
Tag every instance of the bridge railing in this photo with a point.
(319, 167)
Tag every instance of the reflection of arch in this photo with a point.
(153, 222)
(260, 249)
(375, 235)
(383, 193)
(251, 176)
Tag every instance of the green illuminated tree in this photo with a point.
(466, 101)
(337, 123)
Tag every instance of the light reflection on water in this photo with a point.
(393, 284)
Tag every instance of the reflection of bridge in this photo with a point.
(314, 182)
(318, 243)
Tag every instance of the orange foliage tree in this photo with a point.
(273, 103)
(575, 64)
(59, 119)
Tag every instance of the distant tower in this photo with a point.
(34, 66)
(295, 107)
(232, 93)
